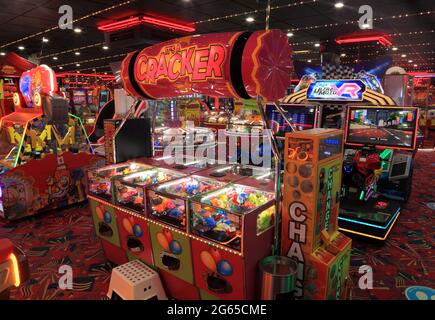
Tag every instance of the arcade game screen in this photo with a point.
(302, 117)
(389, 127)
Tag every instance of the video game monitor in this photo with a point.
(382, 127)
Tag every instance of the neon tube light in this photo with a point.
(135, 21)
(355, 39)
(15, 269)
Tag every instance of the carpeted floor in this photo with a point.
(67, 237)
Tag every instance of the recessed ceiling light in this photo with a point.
(20, 48)
(339, 5)
(410, 61)
(77, 30)
(105, 72)
(105, 47)
(309, 60)
(403, 55)
(365, 26)
(415, 65)
(78, 71)
(77, 64)
(250, 19)
(60, 67)
(44, 39)
(290, 34)
(317, 44)
(54, 58)
(77, 53)
(2, 53)
(395, 49)
(356, 60)
(342, 55)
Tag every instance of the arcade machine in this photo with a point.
(311, 200)
(377, 168)
(205, 236)
(44, 150)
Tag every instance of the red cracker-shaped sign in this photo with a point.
(233, 64)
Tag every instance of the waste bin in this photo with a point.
(278, 276)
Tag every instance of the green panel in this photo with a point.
(207, 296)
(177, 248)
(109, 218)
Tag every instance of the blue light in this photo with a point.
(369, 224)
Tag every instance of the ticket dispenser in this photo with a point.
(312, 182)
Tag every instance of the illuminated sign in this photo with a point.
(173, 62)
(297, 233)
(336, 90)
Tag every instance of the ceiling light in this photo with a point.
(44, 39)
(356, 60)
(105, 47)
(309, 61)
(2, 53)
(395, 49)
(54, 58)
(77, 64)
(77, 53)
(105, 72)
(60, 67)
(339, 5)
(365, 26)
(415, 65)
(289, 34)
(410, 61)
(77, 30)
(20, 48)
(403, 55)
(317, 44)
(342, 55)
(250, 19)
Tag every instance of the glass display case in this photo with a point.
(228, 215)
(183, 138)
(167, 202)
(243, 126)
(100, 180)
(129, 190)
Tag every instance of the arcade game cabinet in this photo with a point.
(44, 150)
(377, 168)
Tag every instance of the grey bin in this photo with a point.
(278, 276)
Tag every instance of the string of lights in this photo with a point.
(89, 60)
(115, 6)
(235, 15)
(72, 50)
(351, 22)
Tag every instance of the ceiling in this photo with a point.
(26, 22)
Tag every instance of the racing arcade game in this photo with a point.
(377, 168)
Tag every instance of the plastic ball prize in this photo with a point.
(137, 230)
(127, 226)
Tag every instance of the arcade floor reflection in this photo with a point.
(404, 260)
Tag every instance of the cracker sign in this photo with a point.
(232, 64)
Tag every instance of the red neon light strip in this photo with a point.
(131, 22)
(167, 24)
(382, 40)
(123, 24)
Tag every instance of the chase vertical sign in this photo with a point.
(336, 90)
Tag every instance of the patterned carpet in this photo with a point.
(67, 237)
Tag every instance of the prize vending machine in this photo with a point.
(232, 229)
(311, 198)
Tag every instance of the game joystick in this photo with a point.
(217, 284)
(134, 244)
(104, 229)
(170, 261)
